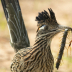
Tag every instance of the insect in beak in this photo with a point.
(62, 47)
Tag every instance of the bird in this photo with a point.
(37, 58)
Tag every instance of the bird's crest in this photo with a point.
(45, 17)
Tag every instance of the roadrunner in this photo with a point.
(37, 58)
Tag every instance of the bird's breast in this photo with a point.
(41, 60)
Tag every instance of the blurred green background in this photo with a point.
(30, 9)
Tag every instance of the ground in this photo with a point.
(30, 9)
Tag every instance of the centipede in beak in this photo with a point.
(62, 48)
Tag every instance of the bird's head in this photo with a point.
(48, 25)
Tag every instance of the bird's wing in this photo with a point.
(18, 34)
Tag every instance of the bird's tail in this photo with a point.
(18, 34)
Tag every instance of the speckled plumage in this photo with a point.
(35, 59)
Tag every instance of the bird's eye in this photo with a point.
(42, 27)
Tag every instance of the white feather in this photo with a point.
(42, 27)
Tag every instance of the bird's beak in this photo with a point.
(61, 28)
(64, 27)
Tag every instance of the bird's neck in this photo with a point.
(42, 52)
(43, 44)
